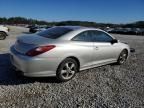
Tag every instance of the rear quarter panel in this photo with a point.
(81, 50)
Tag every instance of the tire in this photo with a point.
(122, 57)
(67, 70)
(2, 35)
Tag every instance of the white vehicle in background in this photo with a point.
(3, 32)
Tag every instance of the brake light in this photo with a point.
(40, 50)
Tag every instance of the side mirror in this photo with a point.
(114, 41)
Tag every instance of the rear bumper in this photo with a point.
(34, 66)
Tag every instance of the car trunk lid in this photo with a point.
(27, 42)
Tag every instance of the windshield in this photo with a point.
(54, 32)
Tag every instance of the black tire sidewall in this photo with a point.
(3, 36)
(58, 73)
(118, 61)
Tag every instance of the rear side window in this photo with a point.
(84, 37)
(99, 36)
(54, 32)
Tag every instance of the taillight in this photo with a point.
(40, 50)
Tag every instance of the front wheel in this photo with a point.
(2, 35)
(67, 70)
(122, 57)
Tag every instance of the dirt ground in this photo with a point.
(110, 86)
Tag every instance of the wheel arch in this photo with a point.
(76, 59)
(4, 32)
(72, 57)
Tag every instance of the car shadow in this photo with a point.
(9, 76)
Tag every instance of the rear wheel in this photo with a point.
(2, 35)
(67, 70)
(122, 57)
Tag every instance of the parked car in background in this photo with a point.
(3, 32)
(128, 31)
(63, 51)
(34, 29)
(138, 31)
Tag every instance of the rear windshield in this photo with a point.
(54, 32)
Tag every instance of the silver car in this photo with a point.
(63, 51)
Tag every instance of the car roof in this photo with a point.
(73, 27)
(75, 30)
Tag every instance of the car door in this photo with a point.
(104, 50)
(84, 49)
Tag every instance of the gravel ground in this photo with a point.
(110, 86)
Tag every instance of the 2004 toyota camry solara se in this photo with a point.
(62, 51)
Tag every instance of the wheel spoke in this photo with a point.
(72, 72)
(121, 57)
(67, 66)
(124, 56)
(63, 71)
(67, 75)
(72, 66)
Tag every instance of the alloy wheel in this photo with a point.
(68, 70)
(122, 57)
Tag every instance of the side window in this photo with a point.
(84, 36)
(99, 36)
